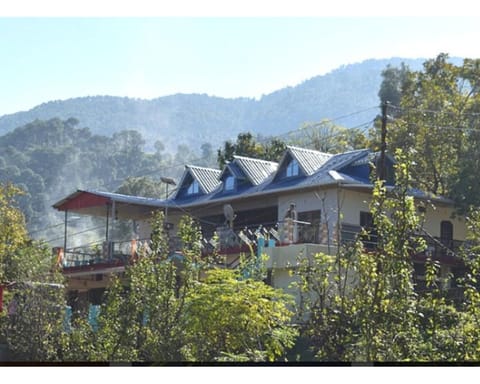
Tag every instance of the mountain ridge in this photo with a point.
(192, 119)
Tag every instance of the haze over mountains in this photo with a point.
(194, 119)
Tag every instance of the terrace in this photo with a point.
(231, 242)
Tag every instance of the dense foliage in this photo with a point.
(435, 112)
(181, 307)
(361, 305)
(34, 297)
(51, 159)
(270, 149)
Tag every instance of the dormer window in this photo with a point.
(292, 168)
(229, 184)
(193, 189)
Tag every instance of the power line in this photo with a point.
(432, 111)
(452, 128)
(299, 130)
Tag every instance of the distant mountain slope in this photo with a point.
(194, 119)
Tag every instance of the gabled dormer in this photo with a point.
(197, 181)
(256, 171)
(243, 172)
(232, 177)
(300, 162)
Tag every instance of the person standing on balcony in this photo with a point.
(290, 220)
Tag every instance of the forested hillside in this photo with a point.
(194, 119)
(53, 158)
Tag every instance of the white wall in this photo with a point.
(434, 215)
(353, 202)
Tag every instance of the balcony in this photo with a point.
(437, 249)
(282, 242)
(100, 255)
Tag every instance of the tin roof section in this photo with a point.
(308, 159)
(256, 170)
(336, 163)
(208, 178)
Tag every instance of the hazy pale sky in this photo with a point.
(51, 58)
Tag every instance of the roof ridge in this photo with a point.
(200, 167)
(254, 159)
(354, 150)
(309, 150)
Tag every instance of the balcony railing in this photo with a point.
(227, 242)
(233, 241)
(436, 248)
(108, 253)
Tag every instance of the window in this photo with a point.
(193, 189)
(229, 183)
(309, 233)
(292, 168)
(366, 222)
(446, 233)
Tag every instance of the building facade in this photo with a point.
(308, 202)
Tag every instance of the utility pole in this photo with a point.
(383, 145)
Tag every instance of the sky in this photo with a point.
(57, 53)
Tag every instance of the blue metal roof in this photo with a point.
(207, 177)
(308, 159)
(335, 163)
(328, 173)
(233, 169)
(320, 170)
(256, 170)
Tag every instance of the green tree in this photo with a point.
(160, 311)
(32, 328)
(437, 116)
(270, 149)
(142, 186)
(207, 157)
(35, 328)
(273, 149)
(230, 318)
(361, 305)
(327, 137)
(13, 235)
(244, 146)
(141, 318)
(392, 84)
